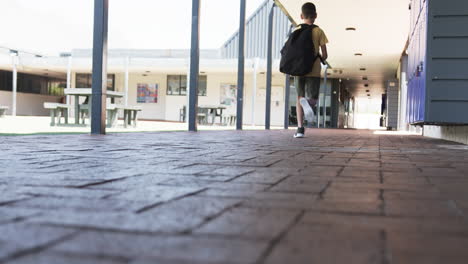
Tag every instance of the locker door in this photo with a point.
(423, 59)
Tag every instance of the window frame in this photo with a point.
(183, 88)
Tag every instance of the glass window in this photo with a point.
(177, 85)
(85, 80)
(36, 84)
(5, 81)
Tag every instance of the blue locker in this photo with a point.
(437, 62)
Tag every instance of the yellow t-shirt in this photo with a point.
(320, 39)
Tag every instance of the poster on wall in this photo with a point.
(228, 94)
(147, 93)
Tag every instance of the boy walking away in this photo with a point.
(301, 58)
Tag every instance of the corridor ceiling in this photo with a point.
(382, 28)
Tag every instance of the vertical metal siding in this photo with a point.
(256, 37)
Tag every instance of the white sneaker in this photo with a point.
(308, 112)
(299, 133)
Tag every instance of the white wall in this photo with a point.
(27, 104)
(152, 111)
(168, 106)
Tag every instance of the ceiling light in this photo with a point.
(357, 54)
(364, 78)
(367, 91)
(366, 85)
(362, 69)
(350, 29)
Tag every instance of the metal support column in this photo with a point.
(287, 90)
(69, 72)
(269, 66)
(241, 67)
(254, 88)
(14, 57)
(286, 100)
(99, 82)
(325, 90)
(127, 62)
(194, 66)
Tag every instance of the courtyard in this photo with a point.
(337, 196)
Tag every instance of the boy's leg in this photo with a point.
(312, 90)
(299, 83)
(299, 112)
(300, 88)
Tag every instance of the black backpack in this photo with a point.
(298, 54)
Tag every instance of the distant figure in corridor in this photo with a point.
(308, 85)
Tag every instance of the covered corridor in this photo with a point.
(338, 196)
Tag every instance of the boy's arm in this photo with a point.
(324, 52)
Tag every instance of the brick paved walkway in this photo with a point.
(233, 197)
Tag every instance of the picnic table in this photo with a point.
(87, 92)
(212, 110)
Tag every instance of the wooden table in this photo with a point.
(87, 92)
(213, 109)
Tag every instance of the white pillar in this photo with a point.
(69, 71)
(127, 62)
(15, 83)
(254, 88)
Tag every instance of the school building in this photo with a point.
(395, 64)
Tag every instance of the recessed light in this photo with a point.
(364, 78)
(350, 29)
(368, 94)
(357, 54)
(145, 75)
(362, 69)
(367, 91)
(366, 85)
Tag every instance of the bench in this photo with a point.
(130, 114)
(57, 111)
(111, 113)
(3, 110)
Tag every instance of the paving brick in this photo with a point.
(79, 204)
(251, 223)
(12, 213)
(424, 248)
(173, 217)
(324, 244)
(18, 238)
(155, 194)
(51, 258)
(184, 248)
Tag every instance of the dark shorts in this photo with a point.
(308, 87)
